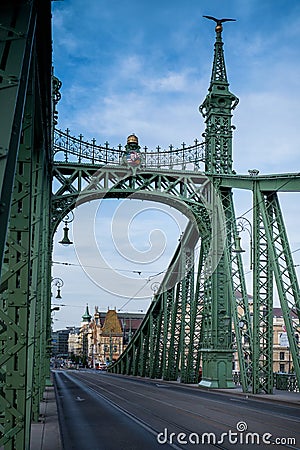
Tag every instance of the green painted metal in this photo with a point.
(208, 307)
(17, 37)
(217, 353)
(286, 182)
(156, 357)
(217, 111)
(168, 298)
(274, 257)
(240, 309)
(22, 294)
(16, 311)
(224, 297)
(25, 187)
(262, 298)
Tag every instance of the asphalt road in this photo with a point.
(99, 411)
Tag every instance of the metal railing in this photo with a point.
(70, 149)
(286, 382)
(282, 381)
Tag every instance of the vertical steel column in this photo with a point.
(188, 374)
(18, 22)
(262, 296)
(129, 364)
(18, 307)
(143, 365)
(156, 340)
(45, 272)
(25, 59)
(168, 300)
(284, 272)
(171, 372)
(40, 239)
(136, 351)
(180, 325)
(238, 294)
(199, 308)
(217, 352)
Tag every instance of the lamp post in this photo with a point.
(243, 224)
(67, 219)
(58, 282)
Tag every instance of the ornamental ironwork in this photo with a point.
(70, 149)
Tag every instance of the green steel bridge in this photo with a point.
(46, 173)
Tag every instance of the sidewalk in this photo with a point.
(292, 398)
(45, 435)
(287, 397)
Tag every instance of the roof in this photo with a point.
(111, 323)
(277, 312)
(86, 316)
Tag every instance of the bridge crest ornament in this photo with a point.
(133, 156)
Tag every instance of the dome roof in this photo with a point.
(132, 139)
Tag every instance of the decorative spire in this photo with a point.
(86, 316)
(216, 109)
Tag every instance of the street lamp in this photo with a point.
(67, 219)
(243, 224)
(58, 282)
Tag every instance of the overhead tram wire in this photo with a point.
(133, 297)
(111, 268)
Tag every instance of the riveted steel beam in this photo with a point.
(286, 182)
(25, 139)
(17, 19)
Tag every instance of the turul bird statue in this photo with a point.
(219, 22)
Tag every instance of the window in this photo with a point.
(281, 356)
(281, 367)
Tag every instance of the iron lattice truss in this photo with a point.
(182, 322)
(25, 190)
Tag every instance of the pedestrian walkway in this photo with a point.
(278, 395)
(45, 435)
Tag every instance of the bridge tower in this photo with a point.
(217, 110)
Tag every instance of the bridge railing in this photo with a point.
(282, 381)
(70, 149)
(286, 382)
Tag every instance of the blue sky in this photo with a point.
(144, 67)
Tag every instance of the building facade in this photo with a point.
(104, 336)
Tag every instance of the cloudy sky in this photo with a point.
(144, 67)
